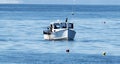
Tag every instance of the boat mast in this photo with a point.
(66, 20)
(73, 6)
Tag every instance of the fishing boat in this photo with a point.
(60, 31)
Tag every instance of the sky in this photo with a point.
(82, 2)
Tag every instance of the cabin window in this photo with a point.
(70, 25)
(63, 25)
(56, 26)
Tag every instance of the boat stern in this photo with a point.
(71, 34)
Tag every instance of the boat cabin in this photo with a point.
(58, 26)
(62, 25)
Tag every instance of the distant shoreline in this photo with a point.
(64, 4)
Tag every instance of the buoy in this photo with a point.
(104, 53)
(104, 22)
(72, 13)
(67, 50)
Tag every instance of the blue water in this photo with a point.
(21, 38)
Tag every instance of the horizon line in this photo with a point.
(55, 4)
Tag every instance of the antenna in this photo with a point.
(66, 20)
(73, 6)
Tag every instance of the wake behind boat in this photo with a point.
(60, 31)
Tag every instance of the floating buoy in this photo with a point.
(104, 22)
(67, 50)
(104, 53)
(72, 13)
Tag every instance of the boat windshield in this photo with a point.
(56, 25)
(63, 25)
(70, 25)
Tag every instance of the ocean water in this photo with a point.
(21, 34)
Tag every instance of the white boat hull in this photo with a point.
(61, 35)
